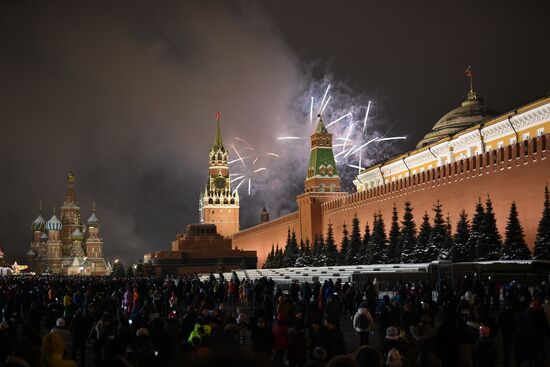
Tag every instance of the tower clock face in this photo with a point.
(219, 182)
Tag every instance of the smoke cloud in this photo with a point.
(125, 96)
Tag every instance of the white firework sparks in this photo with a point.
(350, 118)
(249, 170)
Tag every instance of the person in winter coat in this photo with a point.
(332, 308)
(280, 336)
(262, 338)
(393, 340)
(79, 333)
(53, 348)
(61, 328)
(485, 352)
(507, 326)
(363, 323)
(331, 339)
(297, 345)
(423, 337)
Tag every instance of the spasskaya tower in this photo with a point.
(218, 204)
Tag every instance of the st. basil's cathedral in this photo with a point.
(67, 246)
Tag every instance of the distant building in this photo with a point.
(66, 245)
(207, 247)
(3, 262)
(199, 250)
(264, 215)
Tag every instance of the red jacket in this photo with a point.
(280, 335)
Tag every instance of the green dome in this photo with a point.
(77, 235)
(38, 224)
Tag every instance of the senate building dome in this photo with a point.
(471, 112)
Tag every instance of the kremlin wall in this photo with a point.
(470, 153)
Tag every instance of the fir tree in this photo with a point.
(299, 258)
(542, 241)
(394, 249)
(130, 272)
(377, 245)
(278, 261)
(323, 254)
(476, 231)
(514, 247)
(363, 252)
(331, 252)
(449, 242)
(408, 235)
(268, 264)
(490, 245)
(140, 272)
(118, 269)
(291, 250)
(344, 246)
(462, 251)
(307, 258)
(353, 256)
(422, 252)
(315, 252)
(437, 245)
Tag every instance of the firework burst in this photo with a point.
(249, 166)
(356, 140)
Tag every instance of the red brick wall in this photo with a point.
(521, 178)
(260, 238)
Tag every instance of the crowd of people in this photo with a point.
(147, 322)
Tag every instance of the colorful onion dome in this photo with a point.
(38, 224)
(93, 221)
(77, 235)
(54, 224)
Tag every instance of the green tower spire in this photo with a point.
(322, 172)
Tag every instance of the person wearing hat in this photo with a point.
(61, 328)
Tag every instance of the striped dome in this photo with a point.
(38, 224)
(77, 235)
(53, 224)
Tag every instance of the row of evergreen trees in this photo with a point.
(478, 240)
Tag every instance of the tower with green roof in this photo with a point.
(322, 173)
(322, 183)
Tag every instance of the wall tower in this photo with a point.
(322, 183)
(217, 204)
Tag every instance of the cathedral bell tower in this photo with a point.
(217, 204)
(322, 183)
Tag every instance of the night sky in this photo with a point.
(124, 93)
